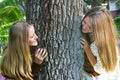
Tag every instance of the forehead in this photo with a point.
(31, 29)
(87, 20)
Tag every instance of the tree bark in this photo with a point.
(57, 23)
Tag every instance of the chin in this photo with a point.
(34, 44)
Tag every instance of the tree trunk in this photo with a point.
(57, 23)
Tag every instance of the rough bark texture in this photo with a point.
(57, 23)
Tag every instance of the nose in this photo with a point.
(83, 23)
(36, 36)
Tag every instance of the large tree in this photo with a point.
(57, 23)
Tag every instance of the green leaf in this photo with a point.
(10, 14)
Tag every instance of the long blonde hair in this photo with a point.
(16, 60)
(105, 36)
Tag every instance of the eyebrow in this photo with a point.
(31, 35)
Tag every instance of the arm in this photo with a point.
(98, 66)
(90, 56)
(40, 55)
(35, 70)
(88, 51)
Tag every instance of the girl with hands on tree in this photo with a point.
(99, 43)
(17, 62)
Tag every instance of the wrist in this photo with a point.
(37, 62)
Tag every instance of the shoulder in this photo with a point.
(93, 45)
(94, 48)
(4, 78)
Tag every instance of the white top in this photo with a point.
(98, 66)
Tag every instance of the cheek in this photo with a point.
(84, 28)
(30, 42)
(90, 29)
(33, 42)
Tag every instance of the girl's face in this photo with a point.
(86, 26)
(32, 37)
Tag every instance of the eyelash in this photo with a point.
(32, 36)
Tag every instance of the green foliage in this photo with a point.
(10, 14)
(118, 3)
(5, 3)
(4, 32)
(89, 2)
(117, 22)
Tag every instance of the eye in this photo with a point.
(32, 35)
(84, 22)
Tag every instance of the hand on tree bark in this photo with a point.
(40, 55)
(83, 43)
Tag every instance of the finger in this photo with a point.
(82, 42)
(81, 46)
(45, 55)
(37, 52)
(82, 39)
(41, 52)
